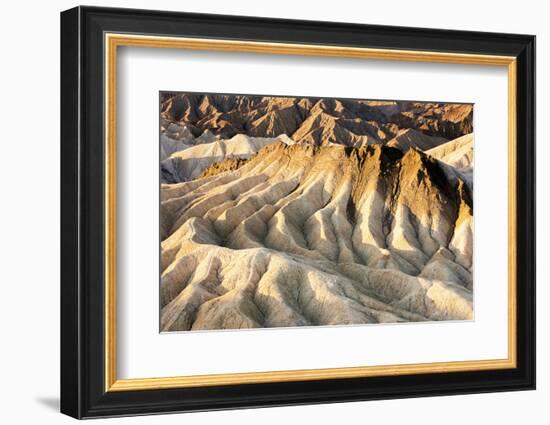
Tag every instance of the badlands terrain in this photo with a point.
(281, 212)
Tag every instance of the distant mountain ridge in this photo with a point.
(318, 121)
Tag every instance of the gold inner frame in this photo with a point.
(113, 41)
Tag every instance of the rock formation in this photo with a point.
(306, 235)
(283, 212)
(458, 155)
(189, 163)
(319, 121)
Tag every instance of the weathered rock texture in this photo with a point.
(317, 233)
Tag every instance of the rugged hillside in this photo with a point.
(318, 121)
(189, 163)
(458, 155)
(313, 235)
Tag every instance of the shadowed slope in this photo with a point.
(458, 156)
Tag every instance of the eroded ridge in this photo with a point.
(302, 234)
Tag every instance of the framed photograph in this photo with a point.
(261, 212)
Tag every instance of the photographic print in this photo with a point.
(281, 211)
(318, 222)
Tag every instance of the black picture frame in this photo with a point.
(83, 392)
